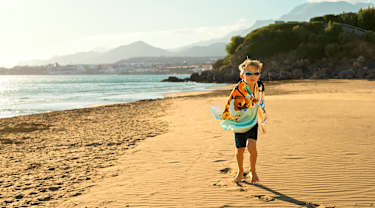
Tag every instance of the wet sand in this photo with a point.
(317, 152)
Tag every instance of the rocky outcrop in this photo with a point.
(288, 67)
(175, 79)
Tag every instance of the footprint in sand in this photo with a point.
(225, 170)
(269, 198)
(266, 198)
(220, 184)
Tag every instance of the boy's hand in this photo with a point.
(262, 128)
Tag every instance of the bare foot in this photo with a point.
(254, 177)
(238, 177)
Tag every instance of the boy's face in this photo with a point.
(252, 78)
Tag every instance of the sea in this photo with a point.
(30, 94)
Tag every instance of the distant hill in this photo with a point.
(135, 49)
(306, 11)
(213, 47)
(81, 57)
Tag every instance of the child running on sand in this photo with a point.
(243, 112)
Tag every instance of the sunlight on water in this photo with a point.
(4, 84)
(20, 95)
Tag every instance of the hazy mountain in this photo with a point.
(306, 11)
(135, 49)
(213, 47)
(81, 57)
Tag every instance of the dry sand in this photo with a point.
(318, 152)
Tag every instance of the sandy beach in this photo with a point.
(171, 152)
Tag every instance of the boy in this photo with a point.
(246, 101)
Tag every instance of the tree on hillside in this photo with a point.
(333, 30)
(349, 18)
(234, 43)
(366, 18)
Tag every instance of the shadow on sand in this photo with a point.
(282, 197)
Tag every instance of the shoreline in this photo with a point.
(215, 90)
(165, 95)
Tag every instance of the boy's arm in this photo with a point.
(226, 114)
(262, 115)
(227, 111)
(262, 105)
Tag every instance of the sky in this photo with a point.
(40, 29)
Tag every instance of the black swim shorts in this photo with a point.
(241, 138)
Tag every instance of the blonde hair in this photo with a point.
(249, 62)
